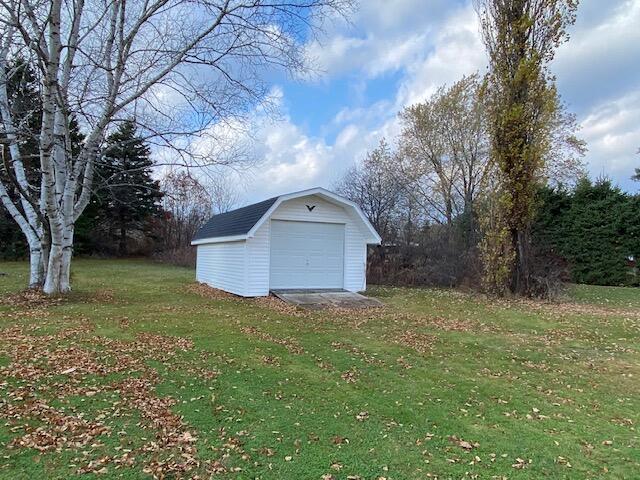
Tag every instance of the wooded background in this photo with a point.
(483, 187)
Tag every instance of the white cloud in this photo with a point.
(457, 50)
(382, 37)
(287, 157)
(602, 58)
(612, 131)
(431, 43)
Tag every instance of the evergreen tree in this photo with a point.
(596, 228)
(594, 244)
(549, 229)
(126, 194)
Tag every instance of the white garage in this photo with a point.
(308, 240)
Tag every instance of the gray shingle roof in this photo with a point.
(235, 222)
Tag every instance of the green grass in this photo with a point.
(538, 389)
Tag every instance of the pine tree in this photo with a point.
(126, 195)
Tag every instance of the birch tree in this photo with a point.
(180, 67)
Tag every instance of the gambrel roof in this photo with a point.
(242, 223)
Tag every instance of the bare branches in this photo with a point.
(187, 70)
(444, 148)
(375, 187)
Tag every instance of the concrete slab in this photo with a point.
(318, 299)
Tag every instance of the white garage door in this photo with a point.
(306, 255)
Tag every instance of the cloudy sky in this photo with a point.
(394, 53)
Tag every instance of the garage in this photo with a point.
(310, 240)
(306, 255)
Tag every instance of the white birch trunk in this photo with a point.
(125, 53)
(35, 266)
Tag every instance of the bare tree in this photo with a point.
(375, 187)
(445, 149)
(187, 205)
(224, 196)
(179, 66)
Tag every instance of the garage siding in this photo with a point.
(258, 247)
(258, 257)
(223, 265)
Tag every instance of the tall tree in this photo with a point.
(444, 147)
(126, 194)
(103, 62)
(521, 37)
(186, 204)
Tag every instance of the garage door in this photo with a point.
(306, 255)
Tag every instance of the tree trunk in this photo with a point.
(36, 271)
(54, 267)
(58, 273)
(521, 277)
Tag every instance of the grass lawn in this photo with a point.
(141, 373)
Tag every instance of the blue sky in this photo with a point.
(396, 52)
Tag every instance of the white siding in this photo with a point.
(258, 261)
(355, 247)
(223, 266)
(306, 254)
(242, 267)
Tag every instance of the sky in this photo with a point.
(393, 53)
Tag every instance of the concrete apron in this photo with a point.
(319, 299)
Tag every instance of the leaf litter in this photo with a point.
(61, 363)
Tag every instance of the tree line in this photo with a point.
(130, 212)
(469, 192)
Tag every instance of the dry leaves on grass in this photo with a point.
(564, 309)
(30, 298)
(271, 360)
(58, 431)
(366, 357)
(464, 444)
(205, 291)
(103, 295)
(290, 344)
(355, 318)
(445, 324)
(279, 306)
(420, 342)
(351, 375)
(362, 416)
(46, 358)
